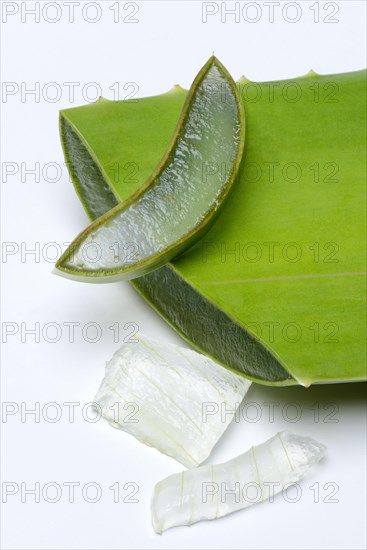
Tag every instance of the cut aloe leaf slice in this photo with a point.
(213, 491)
(180, 200)
(276, 289)
(170, 398)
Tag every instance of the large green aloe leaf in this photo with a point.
(275, 290)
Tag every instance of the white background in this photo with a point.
(167, 45)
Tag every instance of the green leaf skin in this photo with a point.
(179, 201)
(236, 310)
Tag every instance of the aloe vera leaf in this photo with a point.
(179, 201)
(139, 395)
(216, 490)
(227, 308)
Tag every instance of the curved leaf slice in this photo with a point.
(182, 197)
(216, 490)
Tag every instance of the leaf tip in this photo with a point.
(62, 264)
(57, 271)
(213, 60)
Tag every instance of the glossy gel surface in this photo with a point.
(181, 197)
(170, 398)
(212, 491)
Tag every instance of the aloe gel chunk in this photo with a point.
(170, 398)
(213, 491)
